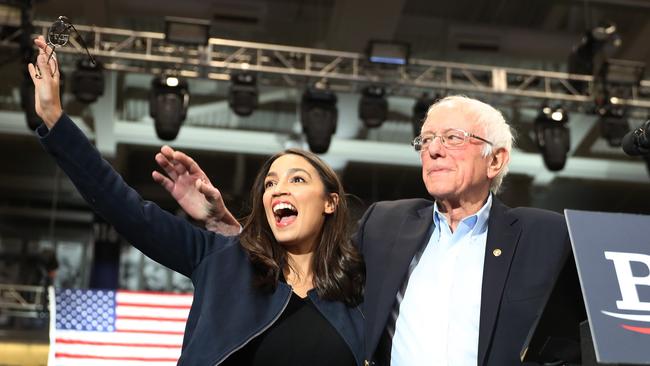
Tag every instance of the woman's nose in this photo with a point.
(279, 189)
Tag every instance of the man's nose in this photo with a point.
(435, 147)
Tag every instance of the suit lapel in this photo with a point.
(413, 233)
(502, 238)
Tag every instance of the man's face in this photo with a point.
(459, 173)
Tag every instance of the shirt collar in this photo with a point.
(476, 222)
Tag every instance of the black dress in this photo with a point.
(301, 336)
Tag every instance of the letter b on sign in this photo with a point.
(627, 282)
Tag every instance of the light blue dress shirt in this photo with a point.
(439, 314)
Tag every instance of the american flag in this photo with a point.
(106, 327)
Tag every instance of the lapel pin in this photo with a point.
(496, 252)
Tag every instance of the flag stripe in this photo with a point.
(154, 306)
(149, 325)
(119, 351)
(155, 318)
(127, 337)
(149, 331)
(149, 298)
(129, 344)
(67, 355)
(153, 293)
(140, 311)
(98, 362)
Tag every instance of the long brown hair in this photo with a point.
(338, 270)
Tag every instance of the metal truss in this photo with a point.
(147, 52)
(215, 129)
(22, 300)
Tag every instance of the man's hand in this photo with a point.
(191, 188)
(45, 76)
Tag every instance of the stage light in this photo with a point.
(373, 106)
(87, 82)
(243, 93)
(318, 116)
(168, 102)
(171, 81)
(420, 109)
(552, 136)
(388, 52)
(612, 120)
(557, 115)
(187, 31)
(596, 46)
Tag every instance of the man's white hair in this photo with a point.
(490, 120)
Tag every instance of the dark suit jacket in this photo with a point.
(533, 246)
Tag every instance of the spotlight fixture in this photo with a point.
(187, 31)
(318, 116)
(420, 109)
(168, 102)
(373, 106)
(596, 46)
(552, 136)
(612, 120)
(87, 82)
(637, 142)
(243, 93)
(388, 52)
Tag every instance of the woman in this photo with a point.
(285, 291)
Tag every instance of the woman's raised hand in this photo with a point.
(193, 191)
(45, 76)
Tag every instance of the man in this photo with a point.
(457, 281)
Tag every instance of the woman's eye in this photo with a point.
(269, 184)
(298, 180)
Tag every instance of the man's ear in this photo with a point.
(332, 203)
(498, 160)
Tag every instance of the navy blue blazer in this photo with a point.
(534, 245)
(227, 310)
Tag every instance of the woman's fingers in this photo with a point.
(33, 73)
(163, 181)
(173, 167)
(185, 164)
(208, 190)
(46, 58)
(41, 44)
(167, 151)
(167, 165)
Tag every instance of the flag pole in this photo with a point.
(52, 308)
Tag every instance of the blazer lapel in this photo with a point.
(413, 233)
(502, 238)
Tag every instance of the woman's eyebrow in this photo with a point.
(296, 170)
(290, 171)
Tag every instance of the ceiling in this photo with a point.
(531, 33)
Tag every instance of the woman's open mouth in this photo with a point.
(285, 214)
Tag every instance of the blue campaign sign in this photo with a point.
(612, 254)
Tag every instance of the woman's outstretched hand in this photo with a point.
(45, 76)
(193, 191)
